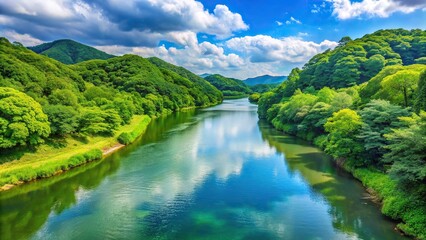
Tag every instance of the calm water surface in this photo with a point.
(215, 173)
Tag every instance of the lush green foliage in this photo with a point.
(230, 87)
(29, 173)
(261, 88)
(342, 126)
(22, 120)
(69, 52)
(129, 137)
(91, 98)
(254, 97)
(357, 61)
(406, 204)
(420, 96)
(163, 90)
(379, 118)
(355, 104)
(408, 150)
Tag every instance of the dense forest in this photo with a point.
(41, 98)
(364, 103)
(230, 87)
(235, 88)
(69, 52)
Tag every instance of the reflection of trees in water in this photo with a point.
(350, 213)
(23, 212)
(24, 209)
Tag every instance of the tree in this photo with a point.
(401, 85)
(95, 121)
(343, 126)
(407, 150)
(373, 66)
(63, 97)
(378, 117)
(63, 119)
(420, 100)
(22, 120)
(341, 100)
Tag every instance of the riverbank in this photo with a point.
(406, 208)
(56, 157)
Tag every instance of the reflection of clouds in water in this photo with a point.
(290, 219)
(168, 171)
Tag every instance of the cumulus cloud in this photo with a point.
(262, 48)
(345, 9)
(25, 39)
(199, 58)
(212, 58)
(128, 23)
(293, 20)
(279, 23)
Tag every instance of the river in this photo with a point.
(215, 173)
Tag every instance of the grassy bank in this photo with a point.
(54, 157)
(129, 137)
(398, 204)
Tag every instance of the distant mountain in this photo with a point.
(230, 87)
(265, 79)
(69, 52)
(205, 75)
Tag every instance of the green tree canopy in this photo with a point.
(378, 117)
(22, 120)
(407, 150)
(343, 126)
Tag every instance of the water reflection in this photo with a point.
(208, 174)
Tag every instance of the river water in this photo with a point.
(215, 173)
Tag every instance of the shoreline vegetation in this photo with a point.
(54, 117)
(49, 161)
(363, 103)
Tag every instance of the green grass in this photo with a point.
(49, 159)
(129, 137)
(408, 207)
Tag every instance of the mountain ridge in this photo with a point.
(69, 51)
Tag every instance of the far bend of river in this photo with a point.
(213, 173)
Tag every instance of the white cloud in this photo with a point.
(302, 34)
(130, 23)
(238, 57)
(279, 23)
(293, 20)
(345, 9)
(25, 39)
(317, 8)
(262, 48)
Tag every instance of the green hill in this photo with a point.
(95, 97)
(357, 61)
(69, 52)
(230, 87)
(363, 103)
(265, 79)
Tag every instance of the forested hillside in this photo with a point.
(364, 103)
(230, 87)
(42, 98)
(265, 79)
(69, 52)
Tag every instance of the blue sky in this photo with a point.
(236, 38)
